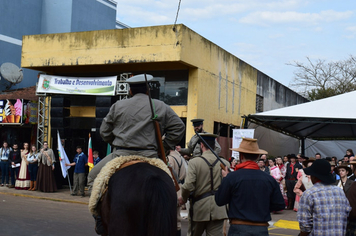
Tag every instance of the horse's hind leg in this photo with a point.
(102, 226)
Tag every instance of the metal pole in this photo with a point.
(70, 187)
(303, 146)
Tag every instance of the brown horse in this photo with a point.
(141, 200)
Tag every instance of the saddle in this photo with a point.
(101, 182)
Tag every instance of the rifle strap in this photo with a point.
(155, 116)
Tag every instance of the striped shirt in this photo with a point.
(323, 210)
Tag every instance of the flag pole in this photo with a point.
(70, 186)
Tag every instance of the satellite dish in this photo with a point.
(10, 75)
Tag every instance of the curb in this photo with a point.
(44, 198)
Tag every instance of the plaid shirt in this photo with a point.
(323, 210)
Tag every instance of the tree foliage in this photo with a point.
(320, 79)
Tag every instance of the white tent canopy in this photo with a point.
(326, 119)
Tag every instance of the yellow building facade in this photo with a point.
(221, 87)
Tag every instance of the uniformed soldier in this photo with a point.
(202, 181)
(129, 129)
(193, 148)
(179, 166)
(128, 126)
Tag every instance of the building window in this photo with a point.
(171, 87)
(259, 103)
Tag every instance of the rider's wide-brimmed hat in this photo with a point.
(249, 145)
(139, 79)
(321, 169)
(345, 166)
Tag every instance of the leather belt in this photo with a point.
(4, 160)
(247, 222)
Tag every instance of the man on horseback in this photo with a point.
(202, 181)
(128, 126)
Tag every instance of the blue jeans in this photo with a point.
(13, 172)
(248, 230)
(4, 171)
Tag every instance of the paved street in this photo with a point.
(55, 214)
(29, 216)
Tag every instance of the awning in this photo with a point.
(326, 119)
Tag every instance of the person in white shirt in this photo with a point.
(32, 159)
(4, 163)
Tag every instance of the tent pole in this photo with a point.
(303, 146)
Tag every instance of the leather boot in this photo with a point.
(289, 204)
(31, 186)
(34, 186)
(292, 203)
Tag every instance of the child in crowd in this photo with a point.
(96, 157)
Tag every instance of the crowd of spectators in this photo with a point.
(289, 173)
(32, 169)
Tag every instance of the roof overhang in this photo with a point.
(326, 119)
(308, 127)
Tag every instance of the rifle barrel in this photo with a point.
(208, 146)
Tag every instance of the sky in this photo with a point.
(267, 34)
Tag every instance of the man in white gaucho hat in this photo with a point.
(251, 194)
(129, 129)
(128, 126)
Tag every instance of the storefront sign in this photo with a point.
(77, 85)
(30, 110)
(11, 111)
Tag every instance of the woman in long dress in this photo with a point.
(33, 167)
(275, 171)
(304, 182)
(23, 179)
(282, 184)
(46, 181)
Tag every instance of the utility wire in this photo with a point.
(174, 26)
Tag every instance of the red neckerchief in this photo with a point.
(247, 165)
(292, 166)
(280, 166)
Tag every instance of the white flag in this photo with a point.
(63, 159)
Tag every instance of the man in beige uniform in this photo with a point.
(193, 148)
(128, 126)
(179, 166)
(202, 181)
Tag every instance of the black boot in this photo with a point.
(98, 225)
(289, 204)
